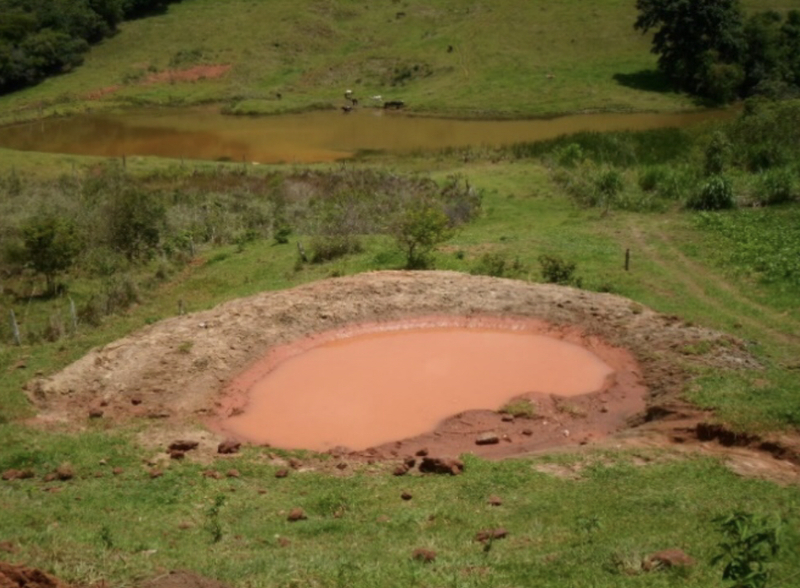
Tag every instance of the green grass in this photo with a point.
(508, 58)
(592, 531)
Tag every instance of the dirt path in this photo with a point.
(712, 289)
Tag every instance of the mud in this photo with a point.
(17, 576)
(378, 383)
(174, 373)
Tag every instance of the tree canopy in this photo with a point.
(708, 48)
(39, 38)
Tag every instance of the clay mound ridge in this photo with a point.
(176, 369)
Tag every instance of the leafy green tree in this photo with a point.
(51, 245)
(699, 43)
(419, 226)
(136, 220)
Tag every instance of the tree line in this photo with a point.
(710, 49)
(41, 38)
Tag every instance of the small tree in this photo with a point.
(420, 225)
(51, 244)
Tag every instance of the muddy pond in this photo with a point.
(374, 388)
(204, 133)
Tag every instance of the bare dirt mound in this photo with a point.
(16, 576)
(175, 370)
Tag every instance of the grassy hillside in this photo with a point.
(468, 58)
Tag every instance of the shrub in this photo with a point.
(417, 228)
(496, 265)
(776, 186)
(557, 270)
(715, 194)
(608, 183)
(329, 247)
(51, 245)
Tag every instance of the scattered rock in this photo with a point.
(668, 558)
(495, 500)
(508, 418)
(9, 475)
(400, 470)
(183, 445)
(185, 525)
(65, 472)
(491, 534)
(117, 471)
(155, 473)
(410, 462)
(13, 576)
(441, 465)
(96, 413)
(424, 555)
(175, 454)
(296, 514)
(487, 439)
(49, 477)
(295, 463)
(422, 452)
(228, 447)
(281, 473)
(233, 474)
(136, 401)
(213, 474)
(341, 465)
(527, 432)
(406, 496)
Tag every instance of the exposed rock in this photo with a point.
(175, 454)
(296, 514)
(156, 473)
(441, 465)
(410, 462)
(487, 439)
(406, 496)
(495, 500)
(96, 413)
(295, 463)
(9, 475)
(400, 470)
(422, 452)
(668, 558)
(491, 534)
(65, 472)
(281, 473)
(229, 446)
(424, 555)
(213, 474)
(183, 445)
(233, 474)
(117, 471)
(12, 576)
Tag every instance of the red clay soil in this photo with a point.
(192, 74)
(16, 576)
(174, 373)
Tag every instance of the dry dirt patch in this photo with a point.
(173, 372)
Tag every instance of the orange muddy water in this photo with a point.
(304, 138)
(370, 388)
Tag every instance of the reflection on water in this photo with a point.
(306, 138)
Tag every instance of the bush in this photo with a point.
(557, 270)
(329, 247)
(715, 194)
(776, 186)
(418, 227)
(496, 265)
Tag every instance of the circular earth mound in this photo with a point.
(181, 371)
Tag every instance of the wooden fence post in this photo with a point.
(15, 329)
(627, 259)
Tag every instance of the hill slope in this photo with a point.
(458, 57)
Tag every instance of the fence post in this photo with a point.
(15, 329)
(627, 259)
(73, 315)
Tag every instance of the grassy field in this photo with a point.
(587, 518)
(507, 59)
